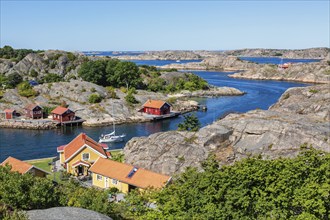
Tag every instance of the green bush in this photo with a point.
(95, 98)
(33, 73)
(26, 90)
(52, 77)
(130, 99)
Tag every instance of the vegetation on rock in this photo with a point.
(26, 90)
(190, 123)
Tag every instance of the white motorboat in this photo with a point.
(112, 137)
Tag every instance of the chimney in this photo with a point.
(83, 136)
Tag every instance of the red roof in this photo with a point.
(17, 165)
(59, 110)
(60, 148)
(9, 110)
(154, 103)
(129, 174)
(76, 144)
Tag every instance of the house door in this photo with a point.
(106, 182)
(80, 170)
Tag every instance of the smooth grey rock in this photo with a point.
(65, 213)
(278, 132)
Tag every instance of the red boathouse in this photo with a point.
(9, 113)
(62, 114)
(156, 107)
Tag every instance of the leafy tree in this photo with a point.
(290, 188)
(126, 74)
(190, 123)
(94, 71)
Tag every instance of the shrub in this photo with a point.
(123, 89)
(95, 98)
(52, 77)
(130, 98)
(26, 90)
(112, 93)
(93, 89)
(190, 123)
(33, 73)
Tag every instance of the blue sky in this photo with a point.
(164, 25)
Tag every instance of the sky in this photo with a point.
(164, 25)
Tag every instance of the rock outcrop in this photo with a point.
(37, 65)
(303, 72)
(300, 117)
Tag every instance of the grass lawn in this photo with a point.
(42, 163)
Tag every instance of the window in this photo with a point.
(85, 156)
(114, 181)
(98, 177)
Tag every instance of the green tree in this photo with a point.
(126, 74)
(94, 71)
(130, 99)
(190, 123)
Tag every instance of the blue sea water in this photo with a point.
(277, 60)
(31, 144)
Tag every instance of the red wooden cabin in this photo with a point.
(156, 107)
(62, 114)
(9, 113)
(33, 111)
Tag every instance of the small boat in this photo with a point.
(112, 137)
(178, 61)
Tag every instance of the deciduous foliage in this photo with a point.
(253, 188)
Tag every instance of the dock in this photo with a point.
(71, 123)
(162, 117)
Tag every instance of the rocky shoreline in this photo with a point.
(300, 118)
(18, 124)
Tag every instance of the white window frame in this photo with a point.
(114, 181)
(99, 177)
(82, 156)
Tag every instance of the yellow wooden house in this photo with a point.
(108, 173)
(77, 156)
(24, 167)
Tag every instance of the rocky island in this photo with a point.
(97, 95)
(300, 118)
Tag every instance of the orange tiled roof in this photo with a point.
(142, 178)
(59, 110)
(82, 139)
(17, 165)
(154, 103)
